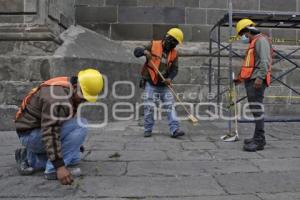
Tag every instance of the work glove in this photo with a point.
(237, 81)
(167, 81)
(139, 52)
(258, 83)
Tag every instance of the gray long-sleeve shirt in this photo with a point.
(262, 58)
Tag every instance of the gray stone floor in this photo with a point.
(197, 166)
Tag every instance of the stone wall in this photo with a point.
(61, 14)
(147, 19)
(16, 11)
(56, 14)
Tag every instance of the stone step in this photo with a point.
(25, 32)
(27, 36)
(18, 19)
(12, 28)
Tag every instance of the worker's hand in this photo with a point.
(237, 81)
(82, 149)
(168, 81)
(148, 54)
(258, 83)
(64, 176)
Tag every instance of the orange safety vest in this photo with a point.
(58, 81)
(157, 51)
(249, 62)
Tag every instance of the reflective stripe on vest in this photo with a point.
(58, 81)
(157, 52)
(249, 62)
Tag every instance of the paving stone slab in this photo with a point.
(288, 164)
(188, 155)
(66, 198)
(7, 161)
(165, 168)
(108, 138)
(285, 136)
(286, 144)
(8, 150)
(8, 171)
(280, 196)
(225, 154)
(122, 139)
(223, 197)
(126, 155)
(97, 145)
(229, 145)
(200, 137)
(198, 145)
(166, 138)
(103, 168)
(188, 168)
(230, 166)
(146, 146)
(280, 153)
(272, 182)
(10, 136)
(149, 186)
(21, 186)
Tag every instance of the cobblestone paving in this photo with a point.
(197, 166)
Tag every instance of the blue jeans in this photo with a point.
(153, 95)
(72, 136)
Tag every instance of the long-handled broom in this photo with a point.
(232, 137)
(191, 117)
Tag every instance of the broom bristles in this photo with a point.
(193, 119)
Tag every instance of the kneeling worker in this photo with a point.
(48, 128)
(161, 55)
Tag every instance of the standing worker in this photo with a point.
(47, 126)
(160, 55)
(256, 74)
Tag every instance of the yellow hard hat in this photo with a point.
(243, 23)
(177, 34)
(91, 84)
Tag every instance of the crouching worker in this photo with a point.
(160, 55)
(48, 128)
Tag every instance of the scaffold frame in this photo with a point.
(278, 20)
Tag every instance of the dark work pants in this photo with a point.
(255, 100)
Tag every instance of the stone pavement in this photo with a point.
(120, 164)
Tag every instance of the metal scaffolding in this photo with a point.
(279, 20)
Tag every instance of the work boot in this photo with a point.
(22, 162)
(254, 146)
(147, 134)
(177, 133)
(249, 140)
(76, 172)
